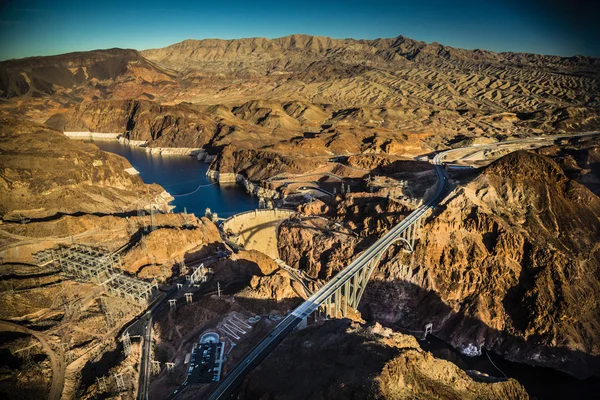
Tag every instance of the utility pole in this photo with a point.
(188, 298)
(172, 304)
(170, 366)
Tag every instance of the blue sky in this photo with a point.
(34, 27)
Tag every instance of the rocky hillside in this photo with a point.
(39, 76)
(511, 263)
(182, 125)
(339, 360)
(43, 173)
(579, 159)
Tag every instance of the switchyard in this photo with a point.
(96, 265)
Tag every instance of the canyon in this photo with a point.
(341, 132)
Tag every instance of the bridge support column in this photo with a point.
(338, 299)
(346, 298)
(353, 290)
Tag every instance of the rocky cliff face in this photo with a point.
(258, 165)
(510, 263)
(339, 361)
(43, 173)
(318, 250)
(161, 126)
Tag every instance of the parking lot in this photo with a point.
(203, 367)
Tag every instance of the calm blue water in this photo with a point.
(183, 174)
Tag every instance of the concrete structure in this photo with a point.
(256, 229)
(428, 329)
(213, 337)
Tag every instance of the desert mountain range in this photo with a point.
(390, 87)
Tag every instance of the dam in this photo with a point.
(256, 229)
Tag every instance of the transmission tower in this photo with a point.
(120, 382)
(101, 384)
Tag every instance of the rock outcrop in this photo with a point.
(257, 165)
(339, 360)
(316, 249)
(156, 254)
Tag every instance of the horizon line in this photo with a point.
(299, 34)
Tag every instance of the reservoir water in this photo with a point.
(181, 175)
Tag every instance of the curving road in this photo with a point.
(234, 378)
(56, 362)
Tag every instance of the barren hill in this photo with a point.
(38, 76)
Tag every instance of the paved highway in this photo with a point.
(145, 331)
(143, 327)
(234, 378)
(56, 361)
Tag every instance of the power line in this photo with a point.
(190, 193)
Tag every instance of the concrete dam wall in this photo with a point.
(256, 229)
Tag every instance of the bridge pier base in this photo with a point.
(303, 324)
